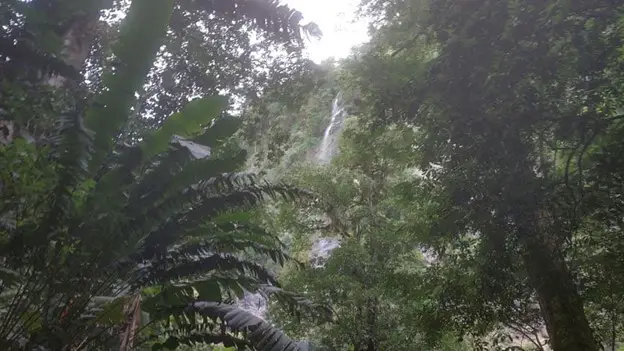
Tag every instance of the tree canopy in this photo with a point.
(160, 162)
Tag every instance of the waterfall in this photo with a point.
(321, 249)
(332, 132)
(322, 246)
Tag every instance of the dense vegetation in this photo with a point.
(474, 202)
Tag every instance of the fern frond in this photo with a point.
(295, 303)
(72, 149)
(179, 265)
(261, 334)
(194, 338)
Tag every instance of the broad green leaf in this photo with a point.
(113, 312)
(188, 122)
(219, 131)
(135, 51)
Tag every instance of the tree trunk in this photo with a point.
(76, 29)
(371, 322)
(559, 300)
(77, 41)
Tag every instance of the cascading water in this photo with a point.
(332, 132)
(322, 246)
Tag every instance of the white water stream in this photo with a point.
(322, 246)
(329, 144)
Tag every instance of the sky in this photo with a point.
(337, 20)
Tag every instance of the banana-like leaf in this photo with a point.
(186, 123)
(117, 170)
(135, 52)
(220, 130)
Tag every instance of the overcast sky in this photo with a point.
(336, 18)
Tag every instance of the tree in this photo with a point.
(209, 48)
(515, 92)
(110, 231)
(372, 281)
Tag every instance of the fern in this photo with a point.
(72, 148)
(177, 266)
(262, 336)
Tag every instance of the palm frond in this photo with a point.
(295, 303)
(231, 244)
(189, 210)
(72, 149)
(193, 338)
(150, 186)
(180, 265)
(175, 171)
(18, 54)
(261, 335)
(198, 170)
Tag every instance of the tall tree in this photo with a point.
(373, 278)
(513, 97)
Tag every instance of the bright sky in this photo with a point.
(337, 20)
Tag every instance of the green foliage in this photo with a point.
(286, 125)
(476, 193)
(513, 101)
(107, 245)
(134, 52)
(373, 280)
(497, 126)
(187, 122)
